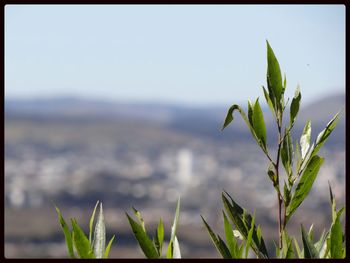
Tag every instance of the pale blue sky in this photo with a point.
(190, 54)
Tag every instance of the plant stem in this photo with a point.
(279, 198)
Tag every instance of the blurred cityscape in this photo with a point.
(73, 152)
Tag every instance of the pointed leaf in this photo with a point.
(311, 232)
(287, 153)
(297, 248)
(99, 243)
(274, 77)
(139, 217)
(249, 237)
(242, 221)
(67, 233)
(176, 249)
(142, 238)
(108, 248)
(294, 106)
(309, 248)
(219, 244)
(92, 222)
(160, 236)
(229, 119)
(176, 221)
(288, 251)
(268, 101)
(323, 135)
(320, 244)
(336, 240)
(230, 239)
(305, 139)
(259, 123)
(304, 185)
(81, 242)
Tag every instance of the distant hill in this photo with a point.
(197, 121)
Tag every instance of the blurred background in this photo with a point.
(124, 104)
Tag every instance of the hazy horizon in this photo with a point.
(205, 54)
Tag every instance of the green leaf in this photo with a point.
(274, 77)
(297, 248)
(324, 134)
(305, 139)
(81, 242)
(336, 237)
(67, 234)
(249, 237)
(242, 221)
(139, 217)
(108, 248)
(298, 156)
(269, 102)
(142, 238)
(288, 251)
(229, 119)
(294, 106)
(309, 248)
(286, 194)
(160, 236)
(92, 222)
(230, 239)
(311, 232)
(304, 186)
(272, 175)
(176, 249)
(259, 123)
(287, 154)
(250, 113)
(173, 230)
(219, 244)
(176, 221)
(284, 84)
(99, 242)
(320, 245)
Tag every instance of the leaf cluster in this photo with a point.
(81, 246)
(152, 247)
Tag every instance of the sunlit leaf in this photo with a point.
(91, 223)
(176, 249)
(99, 235)
(324, 134)
(176, 221)
(305, 139)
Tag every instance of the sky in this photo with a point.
(200, 55)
